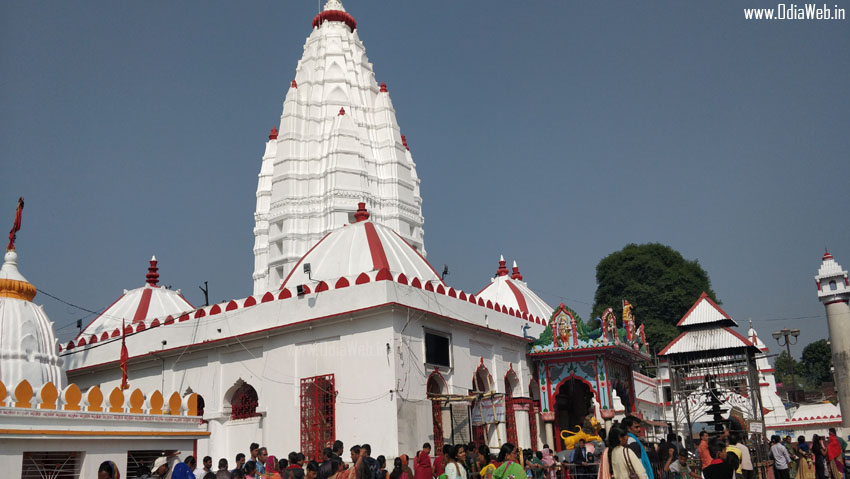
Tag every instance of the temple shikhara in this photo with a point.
(349, 325)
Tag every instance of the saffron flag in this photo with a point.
(124, 357)
(16, 226)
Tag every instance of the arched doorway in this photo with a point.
(436, 386)
(482, 382)
(573, 402)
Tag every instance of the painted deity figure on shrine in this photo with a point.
(629, 320)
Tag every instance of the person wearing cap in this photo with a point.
(162, 466)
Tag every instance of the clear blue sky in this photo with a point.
(552, 132)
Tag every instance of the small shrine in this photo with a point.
(586, 375)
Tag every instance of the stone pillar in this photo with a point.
(834, 292)
(549, 418)
(838, 318)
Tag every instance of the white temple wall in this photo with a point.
(92, 451)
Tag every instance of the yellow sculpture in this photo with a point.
(571, 438)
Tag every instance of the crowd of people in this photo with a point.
(622, 454)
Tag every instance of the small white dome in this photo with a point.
(137, 305)
(357, 248)
(28, 348)
(513, 292)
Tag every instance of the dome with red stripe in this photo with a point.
(361, 247)
(510, 290)
(138, 305)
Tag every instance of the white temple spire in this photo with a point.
(323, 161)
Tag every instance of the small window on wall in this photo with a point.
(54, 464)
(668, 394)
(437, 347)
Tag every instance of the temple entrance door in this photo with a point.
(572, 405)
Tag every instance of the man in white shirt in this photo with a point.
(781, 459)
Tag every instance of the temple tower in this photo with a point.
(338, 144)
(834, 293)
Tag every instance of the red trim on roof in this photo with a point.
(250, 301)
(341, 283)
(420, 257)
(737, 334)
(379, 257)
(661, 353)
(335, 16)
(231, 306)
(384, 275)
(144, 304)
(520, 299)
(282, 326)
(267, 297)
(712, 303)
(302, 259)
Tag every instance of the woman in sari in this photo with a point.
(805, 467)
(819, 453)
(510, 467)
(835, 455)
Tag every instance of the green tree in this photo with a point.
(657, 281)
(782, 368)
(816, 362)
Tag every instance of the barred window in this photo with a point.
(244, 402)
(318, 415)
(53, 464)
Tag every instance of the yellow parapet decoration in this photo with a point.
(155, 401)
(571, 438)
(23, 394)
(47, 396)
(94, 398)
(116, 400)
(71, 398)
(175, 404)
(192, 405)
(137, 402)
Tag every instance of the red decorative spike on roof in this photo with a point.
(294, 84)
(152, 277)
(404, 142)
(273, 134)
(827, 256)
(503, 269)
(362, 214)
(516, 274)
(383, 87)
(341, 111)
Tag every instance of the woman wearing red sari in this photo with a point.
(835, 455)
(422, 465)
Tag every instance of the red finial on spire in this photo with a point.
(826, 255)
(503, 269)
(294, 85)
(273, 134)
(383, 87)
(404, 142)
(516, 274)
(341, 111)
(16, 226)
(361, 214)
(152, 277)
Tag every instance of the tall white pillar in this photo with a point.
(834, 292)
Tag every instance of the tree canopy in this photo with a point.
(657, 281)
(815, 362)
(783, 367)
